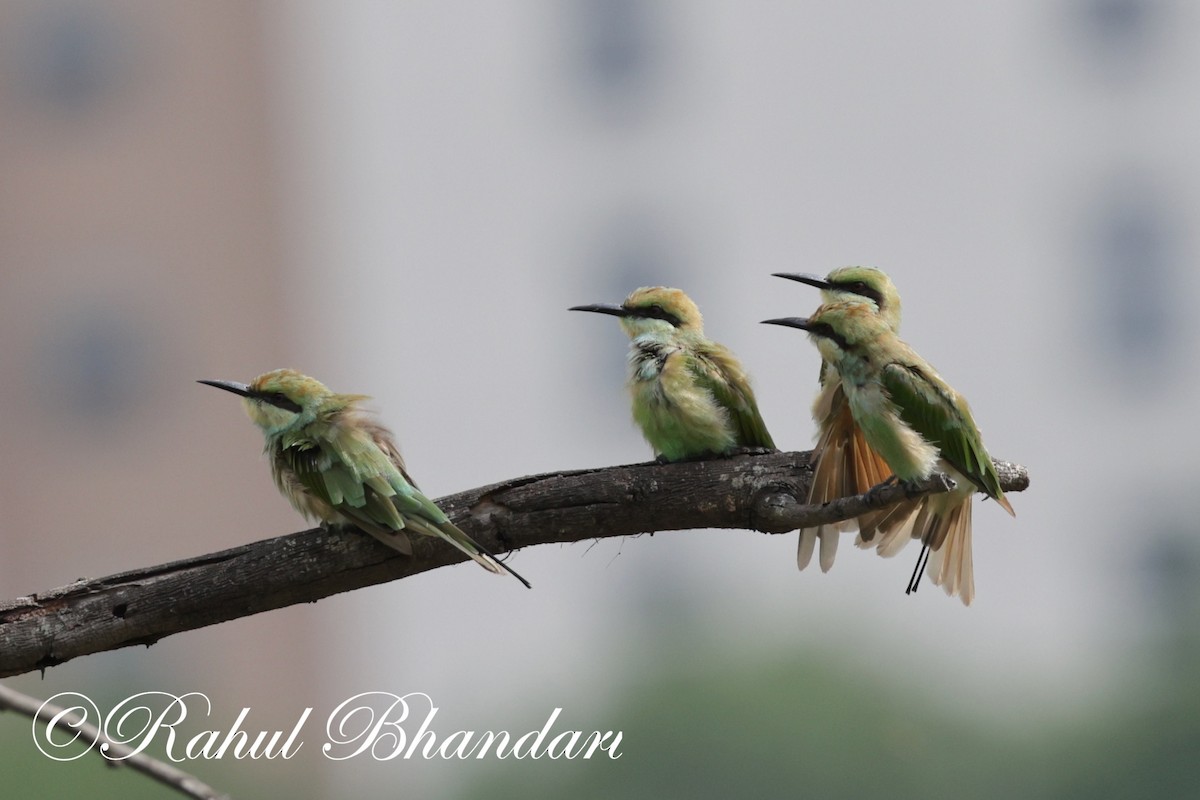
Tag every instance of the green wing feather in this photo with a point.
(936, 412)
(363, 493)
(351, 473)
(731, 389)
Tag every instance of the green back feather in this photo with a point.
(718, 373)
(935, 411)
(348, 471)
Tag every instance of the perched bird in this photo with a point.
(917, 423)
(691, 397)
(334, 462)
(843, 463)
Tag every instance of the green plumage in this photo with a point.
(731, 391)
(942, 417)
(359, 482)
(917, 423)
(690, 395)
(335, 463)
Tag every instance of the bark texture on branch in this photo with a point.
(753, 491)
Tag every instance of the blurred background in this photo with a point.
(403, 199)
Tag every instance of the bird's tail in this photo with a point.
(827, 535)
(943, 524)
(479, 554)
(889, 530)
(950, 562)
(396, 539)
(1003, 501)
(844, 465)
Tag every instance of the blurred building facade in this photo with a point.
(404, 198)
(139, 250)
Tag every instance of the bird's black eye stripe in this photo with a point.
(279, 400)
(862, 289)
(824, 330)
(656, 312)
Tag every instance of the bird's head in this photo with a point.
(848, 283)
(280, 400)
(653, 309)
(840, 327)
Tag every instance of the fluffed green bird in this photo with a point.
(843, 463)
(335, 463)
(691, 396)
(917, 422)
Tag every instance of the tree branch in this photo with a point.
(753, 491)
(114, 754)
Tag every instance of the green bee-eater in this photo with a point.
(691, 397)
(334, 462)
(843, 463)
(917, 422)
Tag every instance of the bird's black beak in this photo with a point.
(602, 308)
(230, 386)
(276, 399)
(803, 277)
(789, 322)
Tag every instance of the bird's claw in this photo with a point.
(939, 480)
(947, 483)
(880, 487)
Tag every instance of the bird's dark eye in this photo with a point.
(861, 288)
(656, 311)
